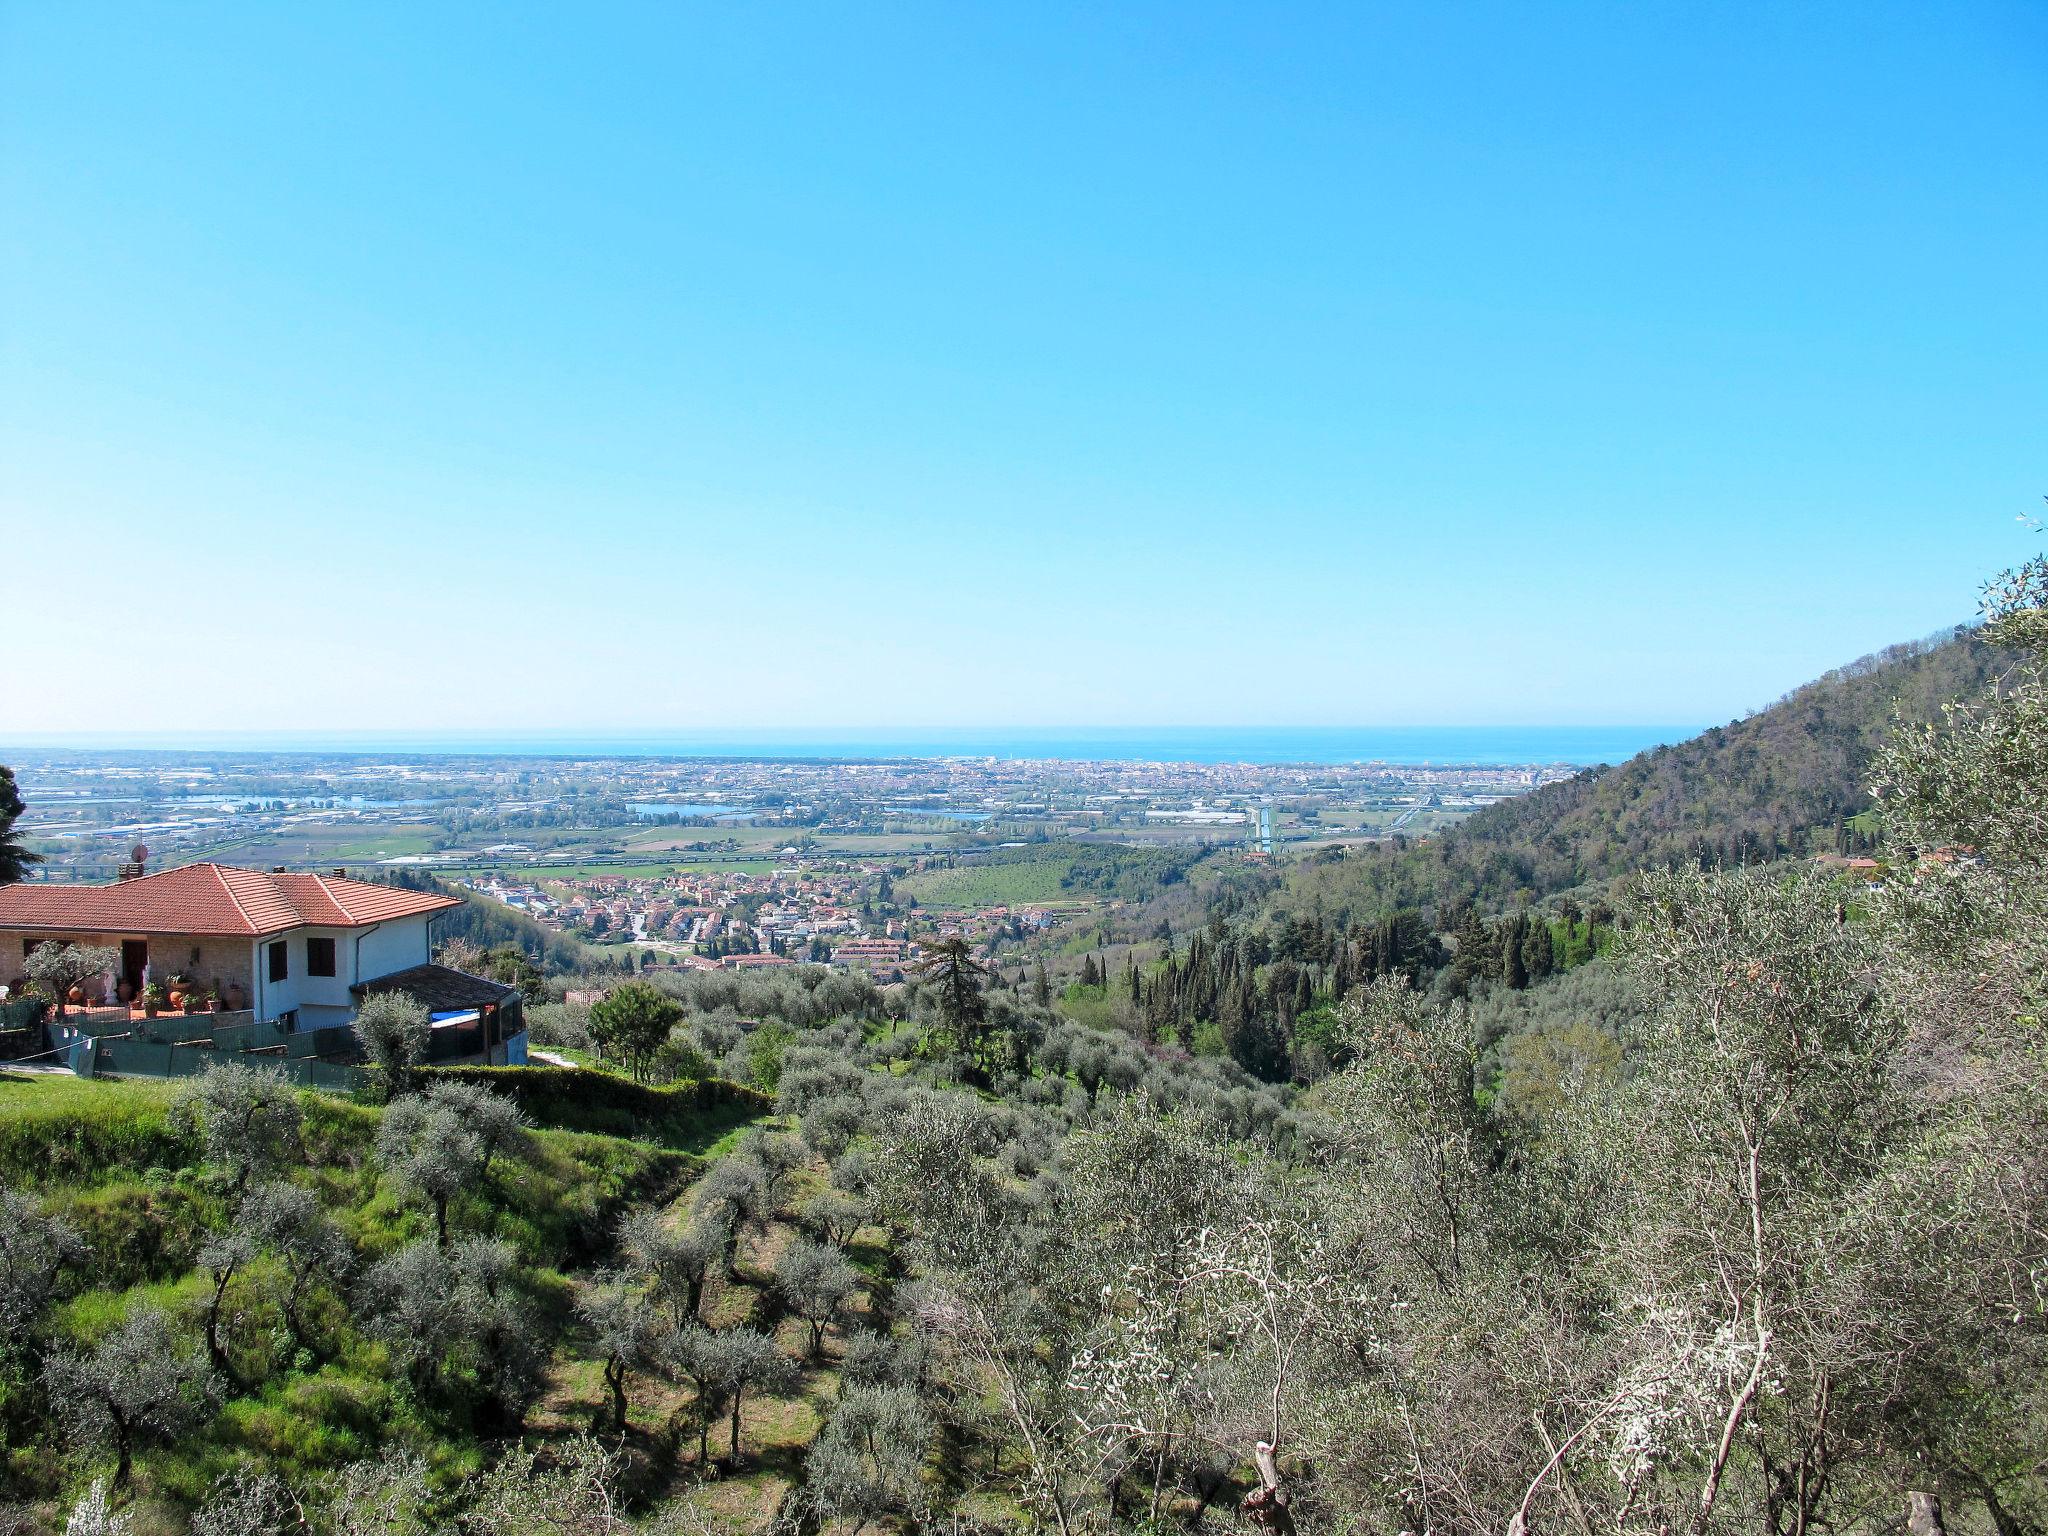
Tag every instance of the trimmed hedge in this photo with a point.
(688, 1116)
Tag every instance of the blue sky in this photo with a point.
(399, 366)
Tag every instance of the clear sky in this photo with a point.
(431, 365)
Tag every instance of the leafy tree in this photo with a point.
(948, 968)
(138, 1383)
(1549, 1070)
(394, 1029)
(763, 1051)
(15, 857)
(816, 1282)
(248, 1119)
(632, 1023)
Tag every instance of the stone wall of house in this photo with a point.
(223, 960)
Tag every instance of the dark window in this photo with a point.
(319, 957)
(280, 964)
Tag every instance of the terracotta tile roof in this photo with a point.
(212, 899)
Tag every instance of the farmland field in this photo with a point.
(990, 885)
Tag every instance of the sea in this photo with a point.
(1400, 745)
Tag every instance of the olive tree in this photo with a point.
(1965, 924)
(725, 1366)
(624, 1334)
(674, 1265)
(248, 1502)
(93, 1514)
(869, 1462)
(394, 1030)
(221, 1257)
(833, 1216)
(571, 1490)
(779, 1155)
(492, 1118)
(458, 1317)
(248, 1119)
(57, 968)
(138, 1383)
(815, 1282)
(429, 1148)
(734, 1196)
(288, 1223)
(35, 1249)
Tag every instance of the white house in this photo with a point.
(294, 950)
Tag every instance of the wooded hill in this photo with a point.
(1786, 781)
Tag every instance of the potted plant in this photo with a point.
(213, 998)
(235, 997)
(152, 999)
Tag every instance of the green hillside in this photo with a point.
(1784, 781)
(341, 1329)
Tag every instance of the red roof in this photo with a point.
(212, 899)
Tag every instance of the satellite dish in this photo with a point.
(137, 854)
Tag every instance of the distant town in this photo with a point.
(729, 864)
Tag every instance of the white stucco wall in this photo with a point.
(300, 987)
(392, 947)
(360, 954)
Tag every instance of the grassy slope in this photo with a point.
(105, 1156)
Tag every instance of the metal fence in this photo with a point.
(107, 1056)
